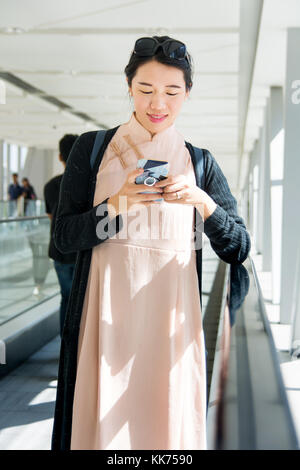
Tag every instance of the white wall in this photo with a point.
(40, 166)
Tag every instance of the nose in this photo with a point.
(157, 103)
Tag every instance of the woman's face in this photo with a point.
(158, 92)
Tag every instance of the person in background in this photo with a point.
(64, 263)
(29, 197)
(15, 191)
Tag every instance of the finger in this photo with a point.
(169, 196)
(170, 180)
(173, 196)
(148, 197)
(165, 182)
(133, 174)
(174, 187)
(162, 184)
(138, 188)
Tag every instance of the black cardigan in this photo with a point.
(76, 222)
(75, 230)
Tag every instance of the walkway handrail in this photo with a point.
(19, 219)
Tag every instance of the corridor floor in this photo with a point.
(27, 399)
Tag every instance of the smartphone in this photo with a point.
(154, 170)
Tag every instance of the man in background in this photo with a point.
(15, 191)
(64, 263)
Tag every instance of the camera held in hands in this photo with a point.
(154, 170)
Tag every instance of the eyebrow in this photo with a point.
(167, 86)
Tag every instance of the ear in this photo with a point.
(129, 89)
(187, 95)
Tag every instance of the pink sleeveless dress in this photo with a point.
(141, 370)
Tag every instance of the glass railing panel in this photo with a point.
(21, 208)
(27, 275)
(250, 409)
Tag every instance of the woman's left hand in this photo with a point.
(178, 190)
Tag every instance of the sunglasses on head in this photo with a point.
(147, 47)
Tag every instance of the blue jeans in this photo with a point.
(65, 274)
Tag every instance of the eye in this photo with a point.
(148, 93)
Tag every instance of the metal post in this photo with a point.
(19, 159)
(295, 337)
(260, 190)
(276, 142)
(1, 171)
(264, 225)
(8, 166)
(255, 185)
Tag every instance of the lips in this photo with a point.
(157, 117)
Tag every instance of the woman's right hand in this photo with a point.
(132, 191)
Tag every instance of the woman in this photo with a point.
(132, 369)
(29, 197)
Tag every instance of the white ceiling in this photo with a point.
(76, 51)
(269, 67)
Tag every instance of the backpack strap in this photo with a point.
(198, 160)
(197, 156)
(99, 139)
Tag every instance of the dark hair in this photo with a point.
(15, 174)
(136, 61)
(25, 179)
(65, 145)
